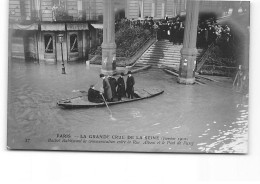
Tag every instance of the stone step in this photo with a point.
(164, 50)
(163, 61)
(157, 58)
(165, 43)
(166, 58)
(168, 45)
(158, 65)
(162, 54)
(168, 62)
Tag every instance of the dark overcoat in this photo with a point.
(130, 82)
(94, 96)
(113, 84)
(120, 86)
(107, 89)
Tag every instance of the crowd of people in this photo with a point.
(173, 29)
(210, 31)
(113, 89)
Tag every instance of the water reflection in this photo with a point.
(197, 112)
(230, 139)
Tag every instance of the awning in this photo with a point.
(77, 26)
(25, 27)
(97, 26)
(53, 27)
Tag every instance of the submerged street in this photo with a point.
(211, 117)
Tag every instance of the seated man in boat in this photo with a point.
(94, 95)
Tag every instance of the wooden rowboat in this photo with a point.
(82, 101)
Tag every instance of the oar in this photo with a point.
(106, 104)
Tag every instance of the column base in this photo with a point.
(108, 72)
(187, 81)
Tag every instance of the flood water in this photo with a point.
(210, 118)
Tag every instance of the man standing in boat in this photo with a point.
(107, 88)
(113, 83)
(120, 87)
(130, 82)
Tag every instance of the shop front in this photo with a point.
(40, 42)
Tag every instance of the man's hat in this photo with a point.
(101, 75)
(91, 86)
(129, 72)
(122, 74)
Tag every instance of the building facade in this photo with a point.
(34, 25)
(157, 9)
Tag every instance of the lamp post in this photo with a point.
(60, 40)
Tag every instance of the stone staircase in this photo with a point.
(161, 54)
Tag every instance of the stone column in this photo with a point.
(108, 45)
(189, 51)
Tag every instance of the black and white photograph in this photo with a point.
(157, 76)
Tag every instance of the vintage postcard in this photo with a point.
(128, 75)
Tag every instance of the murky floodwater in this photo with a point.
(209, 118)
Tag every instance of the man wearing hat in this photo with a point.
(130, 82)
(107, 88)
(113, 83)
(120, 87)
(94, 95)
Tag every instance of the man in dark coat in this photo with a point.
(113, 84)
(174, 33)
(94, 95)
(130, 82)
(166, 18)
(120, 87)
(107, 88)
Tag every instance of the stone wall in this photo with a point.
(14, 10)
(46, 10)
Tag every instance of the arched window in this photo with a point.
(74, 43)
(48, 42)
